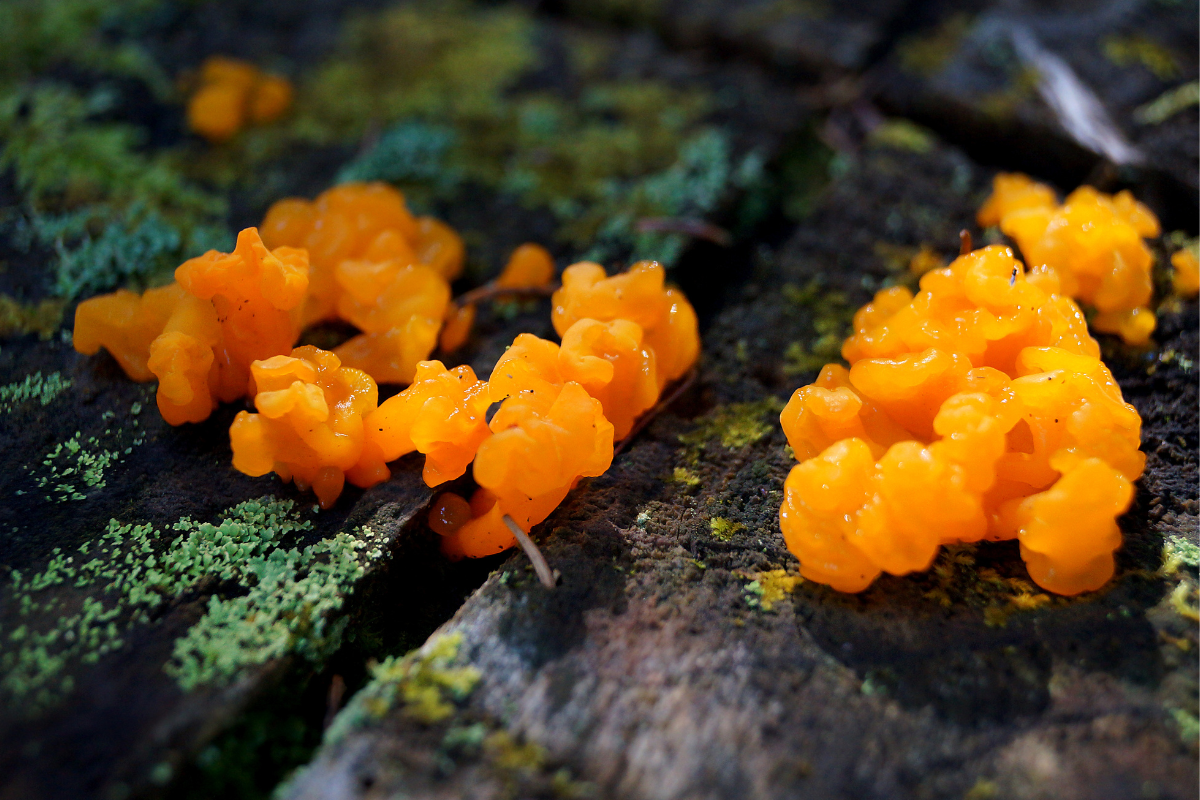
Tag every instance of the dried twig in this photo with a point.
(648, 417)
(696, 228)
(964, 242)
(490, 291)
(539, 561)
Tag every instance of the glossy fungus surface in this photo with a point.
(309, 424)
(1094, 241)
(977, 409)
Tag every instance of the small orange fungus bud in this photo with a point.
(1186, 278)
(1094, 242)
(456, 327)
(449, 513)
(977, 409)
(199, 335)
(530, 265)
(667, 319)
(309, 425)
(442, 414)
(233, 92)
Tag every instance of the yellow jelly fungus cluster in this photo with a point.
(562, 405)
(978, 409)
(310, 424)
(1093, 240)
(355, 254)
(233, 93)
(200, 335)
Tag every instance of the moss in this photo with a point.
(926, 55)
(42, 318)
(771, 587)
(1189, 725)
(38, 388)
(900, 134)
(444, 81)
(1002, 104)
(724, 529)
(1125, 51)
(982, 790)
(735, 426)
(424, 683)
(510, 755)
(89, 188)
(1168, 104)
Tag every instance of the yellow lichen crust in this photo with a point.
(1093, 240)
(977, 409)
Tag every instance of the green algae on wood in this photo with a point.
(36, 387)
(120, 579)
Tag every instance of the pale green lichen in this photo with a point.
(34, 388)
(114, 582)
(1178, 552)
(289, 608)
(425, 683)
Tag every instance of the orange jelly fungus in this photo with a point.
(978, 409)
(1186, 278)
(200, 335)
(362, 222)
(442, 415)
(233, 93)
(456, 327)
(667, 319)
(529, 265)
(623, 339)
(375, 265)
(1093, 240)
(309, 425)
(543, 441)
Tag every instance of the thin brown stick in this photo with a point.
(648, 417)
(964, 242)
(539, 562)
(696, 228)
(490, 291)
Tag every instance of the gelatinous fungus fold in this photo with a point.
(977, 409)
